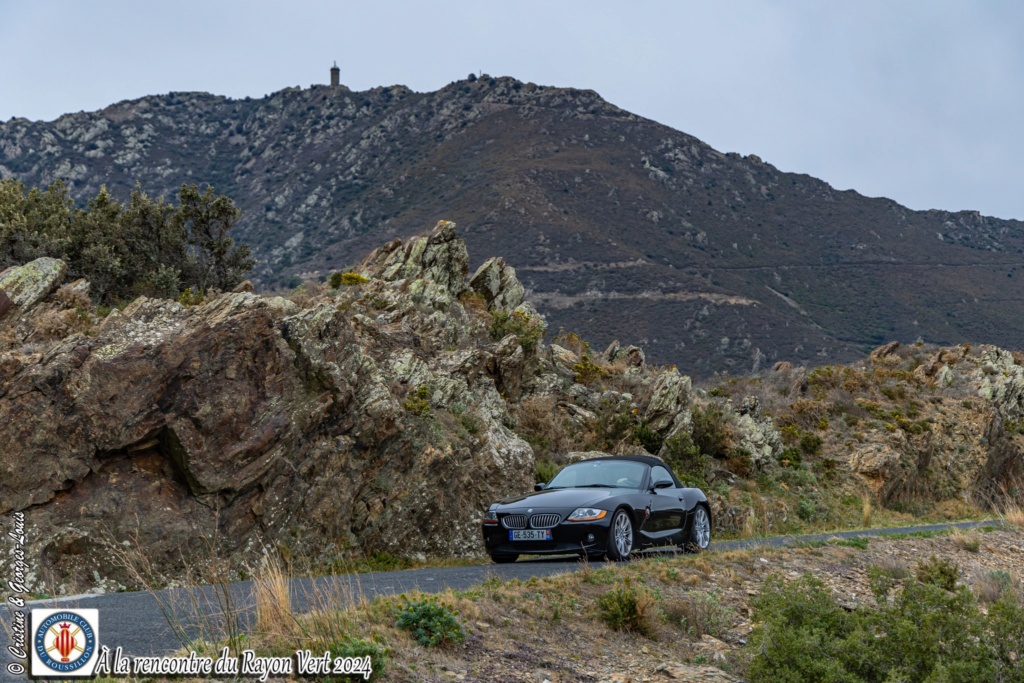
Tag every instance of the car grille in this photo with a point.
(514, 521)
(544, 521)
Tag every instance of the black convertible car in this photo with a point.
(601, 507)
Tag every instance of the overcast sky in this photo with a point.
(922, 102)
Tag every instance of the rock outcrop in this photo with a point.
(369, 420)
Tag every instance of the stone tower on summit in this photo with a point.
(335, 75)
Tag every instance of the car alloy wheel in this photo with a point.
(700, 537)
(621, 544)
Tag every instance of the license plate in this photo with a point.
(530, 535)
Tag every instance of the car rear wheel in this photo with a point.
(504, 559)
(700, 530)
(620, 536)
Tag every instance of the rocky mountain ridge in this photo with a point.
(620, 227)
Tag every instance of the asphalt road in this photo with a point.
(137, 623)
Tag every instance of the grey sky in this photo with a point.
(919, 101)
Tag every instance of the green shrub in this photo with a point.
(431, 623)
(859, 542)
(806, 509)
(528, 329)
(790, 457)
(190, 298)
(359, 648)
(797, 476)
(586, 371)
(648, 438)
(144, 246)
(710, 434)
(627, 608)
(686, 460)
(347, 279)
(546, 470)
(810, 444)
(417, 401)
(938, 572)
(613, 424)
(924, 633)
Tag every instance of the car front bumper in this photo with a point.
(567, 537)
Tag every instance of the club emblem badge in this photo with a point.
(64, 642)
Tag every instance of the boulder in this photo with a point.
(633, 355)
(496, 282)
(759, 437)
(884, 351)
(440, 258)
(28, 284)
(670, 395)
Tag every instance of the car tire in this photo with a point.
(621, 537)
(700, 531)
(504, 559)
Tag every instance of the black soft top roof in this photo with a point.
(649, 460)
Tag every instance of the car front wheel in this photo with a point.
(700, 530)
(620, 540)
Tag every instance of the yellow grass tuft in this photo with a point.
(1012, 515)
(866, 510)
(272, 595)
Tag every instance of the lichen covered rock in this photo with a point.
(28, 284)
(497, 283)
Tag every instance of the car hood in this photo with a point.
(561, 498)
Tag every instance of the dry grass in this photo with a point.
(542, 424)
(894, 568)
(698, 613)
(197, 617)
(965, 541)
(1012, 515)
(73, 298)
(271, 590)
(749, 525)
(992, 586)
(866, 511)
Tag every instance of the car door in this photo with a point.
(666, 508)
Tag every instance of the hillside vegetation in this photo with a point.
(622, 228)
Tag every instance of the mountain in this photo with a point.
(620, 227)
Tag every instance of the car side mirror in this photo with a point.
(539, 486)
(663, 484)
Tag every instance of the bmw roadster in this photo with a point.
(607, 506)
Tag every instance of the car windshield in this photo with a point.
(600, 474)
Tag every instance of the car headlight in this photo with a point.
(587, 515)
(490, 517)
